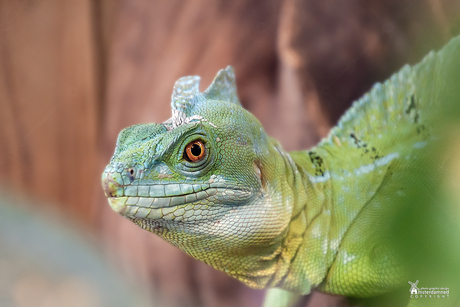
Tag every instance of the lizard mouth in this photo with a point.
(159, 207)
(133, 206)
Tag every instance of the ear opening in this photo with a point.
(260, 174)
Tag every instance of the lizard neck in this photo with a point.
(316, 227)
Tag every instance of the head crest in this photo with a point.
(186, 94)
(223, 87)
(185, 91)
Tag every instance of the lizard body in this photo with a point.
(213, 183)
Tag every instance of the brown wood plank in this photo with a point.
(48, 101)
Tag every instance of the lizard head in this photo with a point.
(203, 181)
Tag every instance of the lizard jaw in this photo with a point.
(176, 207)
(117, 205)
(134, 211)
(158, 207)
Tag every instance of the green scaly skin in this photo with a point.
(269, 218)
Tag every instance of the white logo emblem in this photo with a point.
(426, 292)
(413, 287)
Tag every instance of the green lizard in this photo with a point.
(210, 181)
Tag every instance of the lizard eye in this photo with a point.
(195, 151)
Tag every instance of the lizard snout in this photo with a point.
(111, 186)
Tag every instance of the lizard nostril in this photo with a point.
(131, 174)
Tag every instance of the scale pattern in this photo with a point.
(295, 220)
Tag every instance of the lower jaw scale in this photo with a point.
(154, 207)
(128, 205)
(122, 206)
(118, 204)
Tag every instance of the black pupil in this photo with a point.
(196, 150)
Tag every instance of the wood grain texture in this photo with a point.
(48, 103)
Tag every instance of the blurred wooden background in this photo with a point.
(73, 73)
